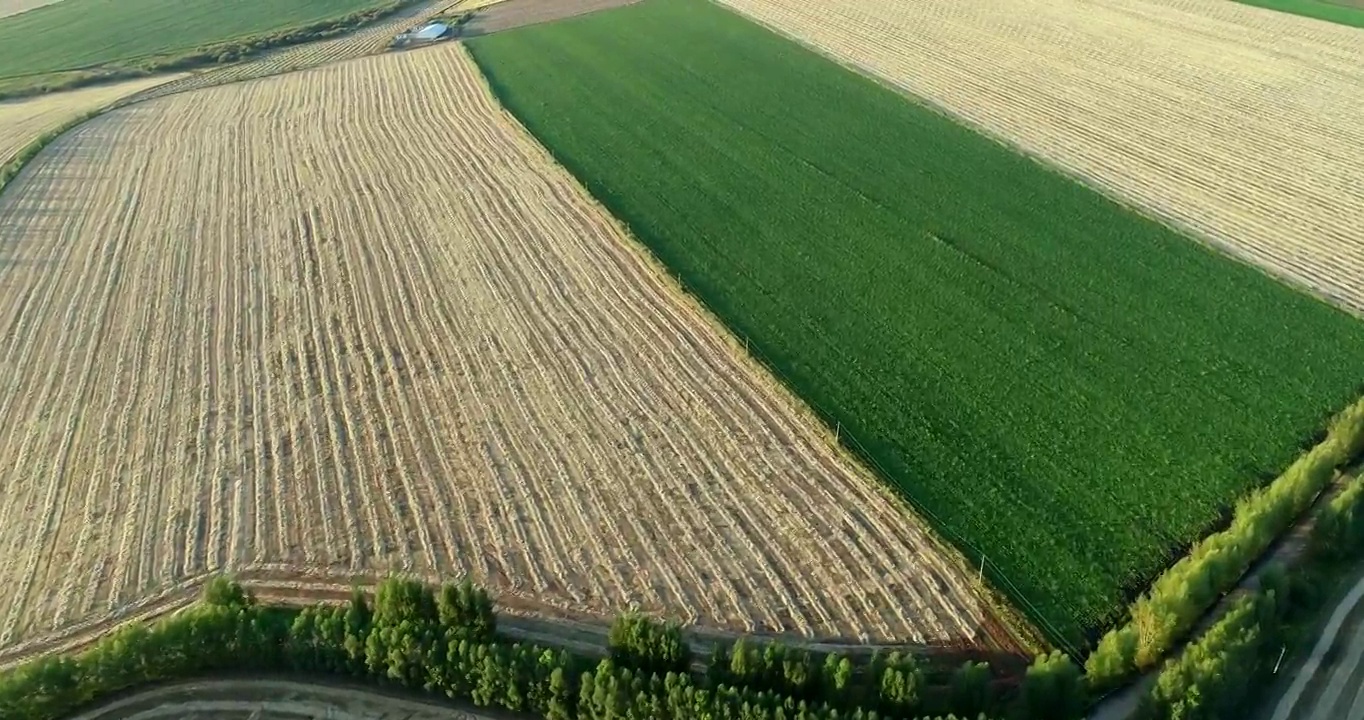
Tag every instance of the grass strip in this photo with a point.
(186, 58)
(1340, 13)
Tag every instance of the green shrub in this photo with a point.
(416, 638)
(1180, 596)
(638, 641)
(1053, 688)
(1214, 674)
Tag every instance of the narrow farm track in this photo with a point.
(354, 320)
(1238, 123)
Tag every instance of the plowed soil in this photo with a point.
(355, 320)
(1238, 123)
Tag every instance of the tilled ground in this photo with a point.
(354, 320)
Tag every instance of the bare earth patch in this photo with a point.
(355, 320)
(1238, 123)
(23, 121)
(508, 14)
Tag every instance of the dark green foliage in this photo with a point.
(1213, 676)
(1052, 689)
(439, 642)
(1061, 384)
(469, 608)
(1340, 526)
(971, 688)
(901, 682)
(638, 641)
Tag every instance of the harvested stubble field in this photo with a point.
(1072, 390)
(369, 41)
(1344, 12)
(1238, 123)
(355, 320)
(23, 121)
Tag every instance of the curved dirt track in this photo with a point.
(355, 320)
(240, 699)
(1238, 123)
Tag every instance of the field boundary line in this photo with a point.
(1024, 637)
(1191, 234)
(1183, 228)
(299, 587)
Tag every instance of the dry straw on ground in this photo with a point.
(1239, 123)
(23, 121)
(356, 320)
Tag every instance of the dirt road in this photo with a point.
(1330, 684)
(508, 14)
(271, 700)
(354, 320)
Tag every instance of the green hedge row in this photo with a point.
(1217, 674)
(446, 641)
(217, 53)
(1177, 599)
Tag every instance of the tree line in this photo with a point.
(1172, 606)
(1219, 674)
(445, 640)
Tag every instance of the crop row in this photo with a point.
(1066, 388)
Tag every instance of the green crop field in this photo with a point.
(1074, 390)
(82, 33)
(1344, 12)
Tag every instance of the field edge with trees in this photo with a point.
(444, 641)
(521, 85)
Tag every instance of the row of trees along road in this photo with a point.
(445, 641)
